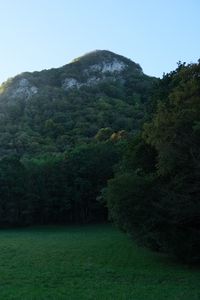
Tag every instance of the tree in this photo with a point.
(91, 166)
(174, 132)
(132, 193)
(155, 193)
(13, 192)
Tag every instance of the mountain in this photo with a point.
(53, 110)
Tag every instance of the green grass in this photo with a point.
(90, 262)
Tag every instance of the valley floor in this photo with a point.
(89, 262)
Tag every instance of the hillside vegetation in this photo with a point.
(53, 110)
(61, 133)
(99, 138)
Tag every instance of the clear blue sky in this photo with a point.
(40, 34)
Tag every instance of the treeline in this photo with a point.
(155, 193)
(55, 190)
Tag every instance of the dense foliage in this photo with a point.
(54, 110)
(155, 195)
(63, 133)
(62, 189)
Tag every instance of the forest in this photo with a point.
(126, 153)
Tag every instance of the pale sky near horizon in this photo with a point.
(41, 34)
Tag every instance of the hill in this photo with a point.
(53, 110)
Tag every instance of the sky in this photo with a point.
(42, 34)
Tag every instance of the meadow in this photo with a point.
(88, 262)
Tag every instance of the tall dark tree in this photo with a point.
(168, 213)
(174, 132)
(14, 205)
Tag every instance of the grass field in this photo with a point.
(90, 262)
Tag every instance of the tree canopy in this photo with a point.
(155, 195)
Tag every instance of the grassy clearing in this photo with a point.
(90, 262)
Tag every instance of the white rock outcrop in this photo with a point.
(103, 68)
(111, 67)
(69, 83)
(24, 89)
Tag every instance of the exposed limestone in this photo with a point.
(113, 66)
(24, 89)
(103, 68)
(93, 80)
(69, 83)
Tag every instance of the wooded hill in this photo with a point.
(53, 110)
